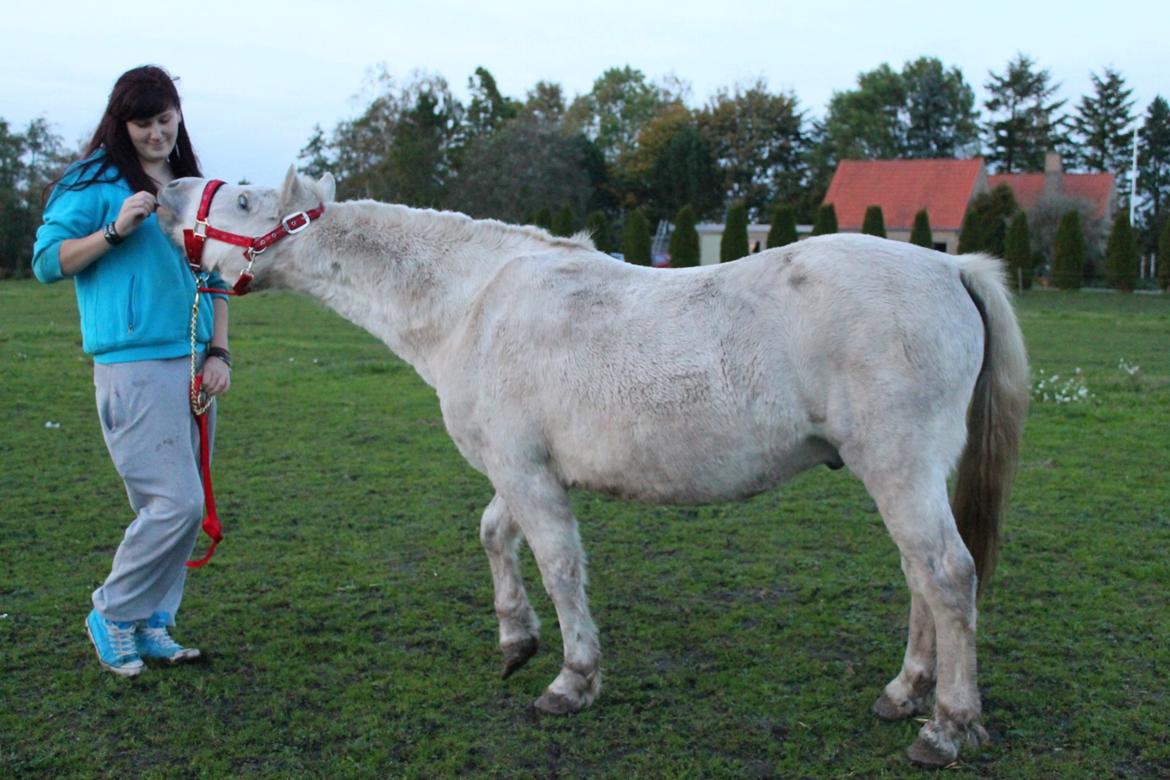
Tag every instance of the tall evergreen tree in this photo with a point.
(825, 221)
(921, 234)
(564, 224)
(597, 223)
(1121, 254)
(636, 238)
(1017, 252)
(1068, 253)
(734, 243)
(874, 224)
(1153, 184)
(1103, 124)
(783, 228)
(684, 241)
(1164, 257)
(1024, 122)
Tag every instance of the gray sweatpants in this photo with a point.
(154, 441)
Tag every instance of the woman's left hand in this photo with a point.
(217, 376)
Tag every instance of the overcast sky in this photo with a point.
(256, 76)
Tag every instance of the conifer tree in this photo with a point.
(985, 223)
(684, 241)
(543, 219)
(734, 243)
(1164, 257)
(874, 223)
(1121, 255)
(564, 224)
(825, 221)
(783, 228)
(1068, 252)
(921, 234)
(1017, 252)
(636, 238)
(598, 226)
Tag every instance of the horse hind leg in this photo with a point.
(519, 625)
(941, 575)
(540, 507)
(907, 694)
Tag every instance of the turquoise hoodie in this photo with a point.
(135, 300)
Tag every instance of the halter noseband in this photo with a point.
(195, 238)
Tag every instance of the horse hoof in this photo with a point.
(556, 704)
(888, 709)
(926, 753)
(516, 654)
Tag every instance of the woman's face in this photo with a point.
(154, 137)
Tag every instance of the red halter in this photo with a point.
(195, 238)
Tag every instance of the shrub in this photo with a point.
(985, 223)
(874, 223)
(564, 224)
(1017, 251)
(1068, 253)
(598, 226)
(921, 234)
(826, 220)
(543, 219)
(783, 228)
(1164, 257)
(684, 241)
(636, 238)
(1121, 255)
(734, 243)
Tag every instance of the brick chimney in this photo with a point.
(1053, 173)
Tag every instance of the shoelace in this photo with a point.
(122, 640)
(161, 638)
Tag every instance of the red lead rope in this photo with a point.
(211, 525)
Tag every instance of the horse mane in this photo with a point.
(453, 227)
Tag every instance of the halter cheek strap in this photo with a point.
(195, 238)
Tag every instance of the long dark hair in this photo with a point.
(139, 93)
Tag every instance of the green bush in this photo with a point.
(826, 220)
(921, 234)
(597, 223)
(734, 243)
(874, 223)
(684, 241)
(1017, 252)
(1121, 255)
(1068, 252)
(636, 238)
(783, 228)
(1164, 257)
(564, 224)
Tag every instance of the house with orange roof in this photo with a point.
(945, 188)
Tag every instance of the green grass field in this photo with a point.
(348, 614)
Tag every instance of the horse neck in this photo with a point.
(406, 276)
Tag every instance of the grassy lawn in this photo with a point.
(348, 613)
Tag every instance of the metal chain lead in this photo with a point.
(200, 401)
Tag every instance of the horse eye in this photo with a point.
(243, 202)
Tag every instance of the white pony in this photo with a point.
(557, 367)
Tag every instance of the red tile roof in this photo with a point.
(1097, 188)
(902, 188)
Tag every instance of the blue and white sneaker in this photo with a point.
(114, 642)
(155, 644)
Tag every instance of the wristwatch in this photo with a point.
(112, 237)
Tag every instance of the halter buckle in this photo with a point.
(199, 223)
(295, 223)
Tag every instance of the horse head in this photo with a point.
(212, 220)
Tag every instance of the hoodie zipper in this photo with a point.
(130, 304)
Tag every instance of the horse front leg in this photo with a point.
(540, 507)
(906, 695)
(519, 625)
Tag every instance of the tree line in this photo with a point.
(631, 145)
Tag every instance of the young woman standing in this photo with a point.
(135, 295)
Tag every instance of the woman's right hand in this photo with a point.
(135, 210)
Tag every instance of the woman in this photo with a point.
(135, 294)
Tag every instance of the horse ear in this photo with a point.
(291, 189)
(327, 187)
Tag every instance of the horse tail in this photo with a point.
(995, 416)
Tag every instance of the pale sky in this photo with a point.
(257, 75)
